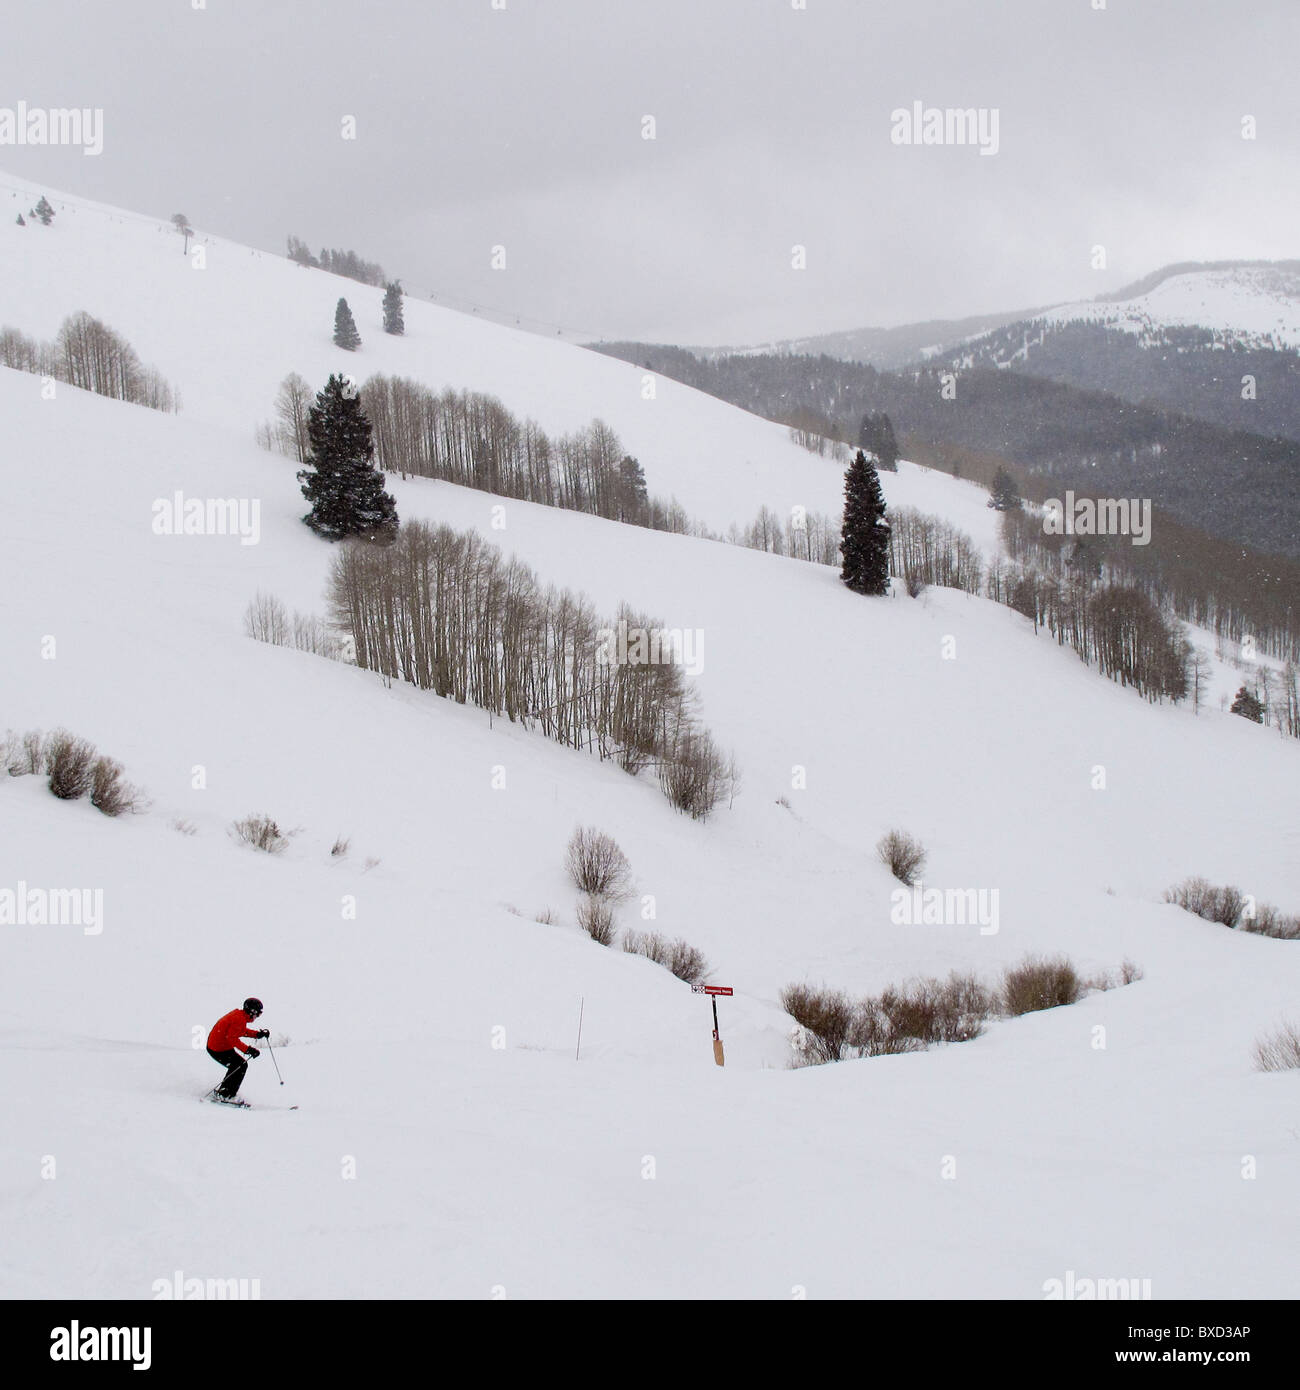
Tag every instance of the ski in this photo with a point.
(248, 1105)
(244, 1104)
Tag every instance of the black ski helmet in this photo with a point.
(253, 1006)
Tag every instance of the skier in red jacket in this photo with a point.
(225, 1046)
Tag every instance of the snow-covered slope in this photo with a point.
(228, 334)
(433, 1033)
(1250, 305)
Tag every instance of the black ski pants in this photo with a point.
(236, 1065)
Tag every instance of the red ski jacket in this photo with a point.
(227, 1031)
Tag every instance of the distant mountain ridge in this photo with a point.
(1237, 296)
(886, 349)
(1218, 341)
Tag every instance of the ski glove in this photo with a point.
(262, 1033)
(253, 1052)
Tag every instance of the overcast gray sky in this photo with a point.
(522, 126)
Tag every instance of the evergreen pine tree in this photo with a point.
(44, 211)
(345, 328)
(876, 436)
(345, 489)
(633, 503)
(865, 536)
(1246, 705)
(21, 223)
(393, 320)
(1003, 496)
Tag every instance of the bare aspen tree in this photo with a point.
(292, 406)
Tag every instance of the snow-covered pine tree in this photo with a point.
(876, 436)
(1246, 705)
(21, 223)
(44, 211)
(301, 253)
(393, 320)
(865, 541)
(345, 328)
(345, 489)
(1003, 495)
(632, 502)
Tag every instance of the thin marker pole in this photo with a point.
(581, 1003)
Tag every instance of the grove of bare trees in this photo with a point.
(89, 355)
(445, 611)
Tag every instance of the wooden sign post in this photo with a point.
(714, 991)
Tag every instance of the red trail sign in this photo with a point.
(714, 990)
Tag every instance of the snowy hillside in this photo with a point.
(448, 1142)
(227, 335)
(1248, 305)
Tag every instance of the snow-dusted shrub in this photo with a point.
(68, 760)
(109, 792)
(596, 918)
(1271, 921)
(935, 1011)
(1038, 983)
(915, 1015)
(10, 751)
(25, 753)
(1279, 1050)
(262, 833)
(1128, 972)
(648, 944)
(873, 1033)
(1226, 905)
(694, 774)
(1192, 894)
(687, 963)
(679, 957)
(340, 846)
(826, 1016)
(1223, 905)
(902, 855)
(597, 865)
(912, 1016)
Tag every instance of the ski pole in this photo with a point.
(274, 1063)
